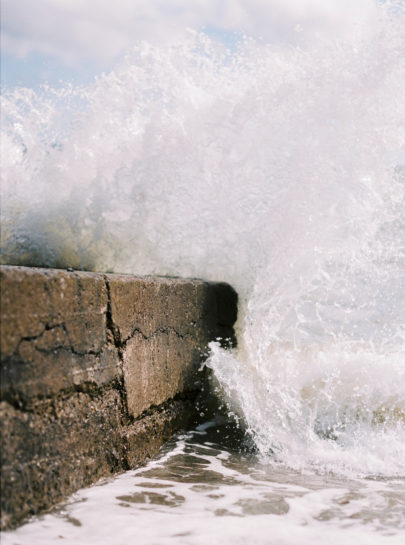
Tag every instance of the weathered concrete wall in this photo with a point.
(97, 371)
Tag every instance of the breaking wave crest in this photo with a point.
(276, 168)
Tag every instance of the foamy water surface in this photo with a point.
(198, 490)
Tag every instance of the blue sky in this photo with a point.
(48, 41)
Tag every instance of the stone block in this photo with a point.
(53, 333)
(97, 371)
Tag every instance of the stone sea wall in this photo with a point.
(97, 371)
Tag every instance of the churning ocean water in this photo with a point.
(280, 169)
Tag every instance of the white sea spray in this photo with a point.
(278, 168)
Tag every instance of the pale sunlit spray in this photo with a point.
(276, 168)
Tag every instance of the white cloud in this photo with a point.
(77, 31)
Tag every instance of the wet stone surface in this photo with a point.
(97, 372)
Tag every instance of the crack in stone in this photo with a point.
(58, 348)
(159, 330)
(110, 324)
(33, 338)
(38, 404)
(125, 416)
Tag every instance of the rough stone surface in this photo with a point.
(53, 333)
(159, 367)
(51, 452)
(162, 326)
(147, 434)
(97, 371)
